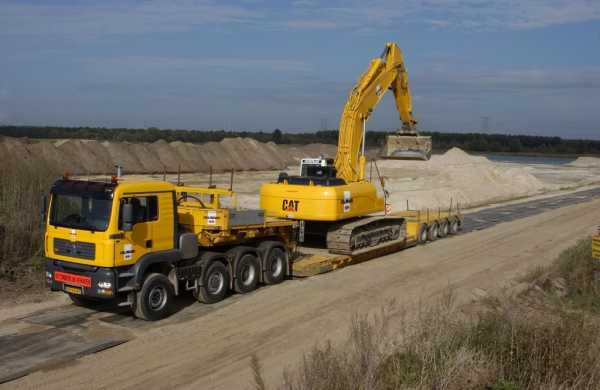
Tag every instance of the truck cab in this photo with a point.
(141, 243)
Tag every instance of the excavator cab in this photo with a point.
(406, 144)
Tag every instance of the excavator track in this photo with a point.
(367, 233)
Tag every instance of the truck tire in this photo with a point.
(432, 233)
(78, 300)
(155, 299)
(444, 228)
(215, 284)
(275, 266)
(246, 274)
(454, 226)
(422, 237)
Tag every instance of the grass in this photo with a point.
(21, 232)
(509, 345)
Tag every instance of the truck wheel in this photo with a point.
(215, 284)
(454, 226)
(275, 266)
(154, 301)
(443, 229)
(432, 234)
(78, 300)
(423, 234)
(246, 274)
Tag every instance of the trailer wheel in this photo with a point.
(422, 237)
(275, 266)
(78, 300)
(444, 228)
(155, 299)
(246, 274)
(454, 226)
(215, 284)
(432, 234)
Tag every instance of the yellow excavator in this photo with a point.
(334, 198)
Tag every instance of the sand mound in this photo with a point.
(146, 157)
(586, 162)
(455, 177)
(93, 157)
(121, 154)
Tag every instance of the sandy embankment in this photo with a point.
(455, 177)
(451, 178)
(90, 157)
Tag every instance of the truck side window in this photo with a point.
(145, 208)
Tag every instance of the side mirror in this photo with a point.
(127, 217)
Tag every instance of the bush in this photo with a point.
(21, 230)
(507, 344)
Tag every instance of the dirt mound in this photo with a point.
(15, 150)
(146, 157)
(121, 154)
(455, 177)
(586, 162)
(54, 158)
(93, 157)
(190, 157)
(456, 156)
(90, 156)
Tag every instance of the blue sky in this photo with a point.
(528, 66)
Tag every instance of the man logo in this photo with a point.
(290, 205)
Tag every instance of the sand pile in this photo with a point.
(93, 157)
(586, 162)
(120, 154)
(455, 176)
(144, 154)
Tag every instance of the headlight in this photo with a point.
(104, 284)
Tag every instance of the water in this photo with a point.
(528, 160)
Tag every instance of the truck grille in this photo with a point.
(81, 250)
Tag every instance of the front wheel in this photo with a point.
(215, 284)
(155, 299)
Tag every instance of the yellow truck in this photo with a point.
(142, 243)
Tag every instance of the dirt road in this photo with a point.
(279, 323)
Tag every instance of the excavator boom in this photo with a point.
(385, 72)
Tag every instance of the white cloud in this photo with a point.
(119, 17)
(470, 14)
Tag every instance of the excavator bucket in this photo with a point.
(406, 146)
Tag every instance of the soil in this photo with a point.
(280, 323)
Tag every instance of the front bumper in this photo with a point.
(88, 281)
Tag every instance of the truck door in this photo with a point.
(140, 240)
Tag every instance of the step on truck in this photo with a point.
(142, 243)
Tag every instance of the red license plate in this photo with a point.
(76, 280)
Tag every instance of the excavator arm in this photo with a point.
(386, 72)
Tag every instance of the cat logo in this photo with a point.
(378, 90)
(290, 205)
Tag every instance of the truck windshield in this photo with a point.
(81, 211)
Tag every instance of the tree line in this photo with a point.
(476, 142)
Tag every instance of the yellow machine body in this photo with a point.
(353, 195)
(320, 203)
